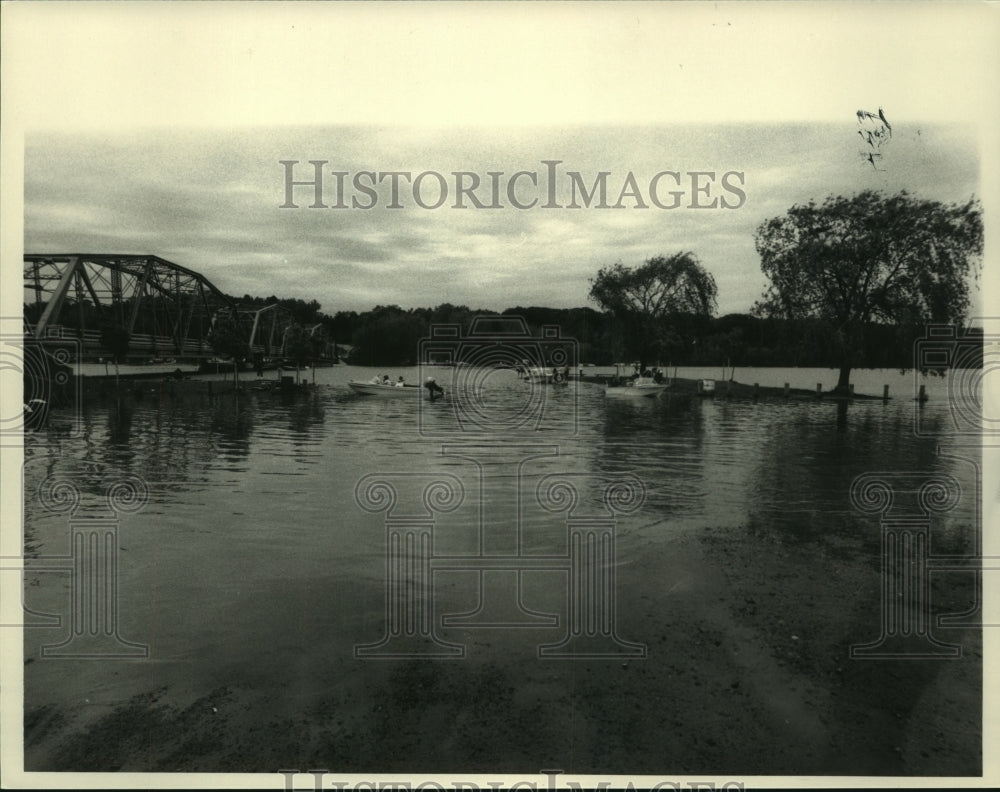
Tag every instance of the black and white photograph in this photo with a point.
(499, 395)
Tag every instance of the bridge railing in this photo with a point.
(142, 344)
(139, 343)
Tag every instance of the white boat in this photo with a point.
(385, 391)
(535, 374)
(642, 387)
(544, 376)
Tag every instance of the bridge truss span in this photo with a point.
(165, 308)
(166, 311)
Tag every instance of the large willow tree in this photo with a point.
(644, 299)
(870, 258)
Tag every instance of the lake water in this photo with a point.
(257, 567)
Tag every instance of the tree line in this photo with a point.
(389, 336)
(851, 282)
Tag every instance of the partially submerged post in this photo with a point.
(819, 389)
(786, 390)
(885, 393)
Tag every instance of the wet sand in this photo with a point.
(747, 673)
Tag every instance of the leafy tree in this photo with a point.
(642, 301)
(446, 313)
(340, 327)
(229, 340)
(870, 258)
(115, 338)
(301, 347)
(388, 335)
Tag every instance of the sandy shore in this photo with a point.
(747, 673)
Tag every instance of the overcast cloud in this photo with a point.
(209, 200)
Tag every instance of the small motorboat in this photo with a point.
(641, 387)
(535, 374)
(545, 376)
(391, 391)
(388, 391)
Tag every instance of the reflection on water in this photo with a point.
(253, 562)
(704, 462)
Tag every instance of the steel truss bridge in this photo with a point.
(167, 310)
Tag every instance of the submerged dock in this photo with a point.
(731, 389)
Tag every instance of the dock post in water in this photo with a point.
(819, 389)
(756, 391)
(786, 390)
(923, 393)
(850, 389)
(885, 393)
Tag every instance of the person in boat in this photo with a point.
(385, 379)
(433, 389)
(376, 380)
(400, 383)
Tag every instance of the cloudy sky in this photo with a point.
(158, 128)
(211, 200)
